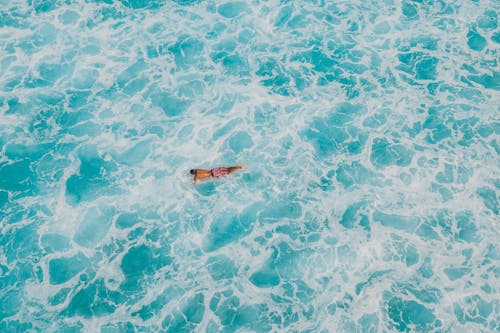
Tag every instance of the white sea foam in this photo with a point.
(125, 66)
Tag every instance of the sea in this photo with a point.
(371, 134)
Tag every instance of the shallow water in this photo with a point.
(371, 134)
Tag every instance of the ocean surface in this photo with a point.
(371, 132)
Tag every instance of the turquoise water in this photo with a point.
(371, 134)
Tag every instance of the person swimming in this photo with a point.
(215, 172)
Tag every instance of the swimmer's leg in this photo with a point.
(234, 168)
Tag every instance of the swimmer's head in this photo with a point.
(192, 171)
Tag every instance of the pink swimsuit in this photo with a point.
(219, 172)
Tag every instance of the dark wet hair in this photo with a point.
(192, 171)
